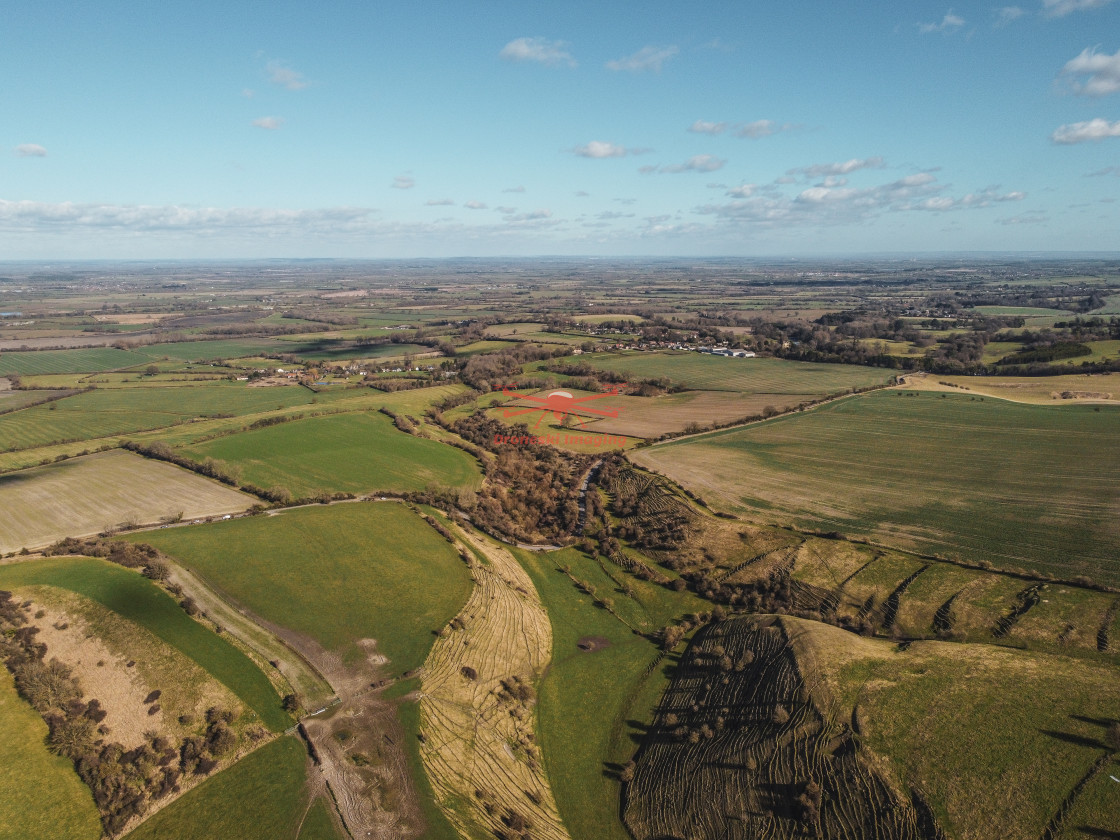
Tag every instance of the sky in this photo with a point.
(139, 130)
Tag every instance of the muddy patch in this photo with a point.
(590, 644)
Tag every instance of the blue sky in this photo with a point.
(364, 129)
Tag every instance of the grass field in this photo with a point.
(995, 738)
(354, 453)
(260, 797)
(117, 411)
(86, 495)
(338, 574)
(702, 372)
(136, 598)
(589, 698)
(42, 795)
(1017, 485)
(317, 824)
(81, 360)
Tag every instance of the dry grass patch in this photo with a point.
(122, 665)
(478, 700)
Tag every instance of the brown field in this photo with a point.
(136, 317)
(86, 495)
(1037, 390)
(479, 747)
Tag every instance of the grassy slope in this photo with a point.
(994, 737)
(86, 495)
(1014, 484)
(136, 598)
(338, 573)
(259, 798)
(587, 699)
(349, 452)
(42, 795)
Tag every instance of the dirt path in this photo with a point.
(477, 704)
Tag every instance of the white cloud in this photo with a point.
(1007, 14)
(1108, 170)
(705, 127)
(285, 77)
(846, 167)
(30, 150)
(475, 205)
(743, 191)
(1102, 69)
(540, 50)
(762, 128)
(532, 216)
(949, 23)
(270, 123)
(439, 202)
(1035, 217)
(71, 216)
(403, 182)
(1061, 8)
(647, 58)
(1082, 132)
(582, 194)
(843, 205)
(601, 149)
(696, 163)
(248, 93)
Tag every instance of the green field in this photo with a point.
(587, 699)
(317, 824)
(90, 494)
(82, 360)
(42, 795)
(355, 453)
(117, 411)
(338, 574)
(1014, 484)
(702, 372)
(1021, 310)
(136, 598)
(260, 797)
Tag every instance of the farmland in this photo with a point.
(356, 453)
(104, 411)
(89, 494)
(1014, 485)
(702, 372)
(384, 574)
(879, 627)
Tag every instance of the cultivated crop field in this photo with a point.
(116, 411)
(81, 360)
(339, 574)
(1016, 485)
(87, 495)
(357, 452)
(1037, 390)
(702, 372)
